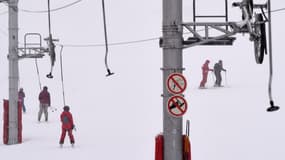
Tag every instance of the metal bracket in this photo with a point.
(170, 95)
(223, 38)
(170, 37)
(173, 69)
(32, 52)
(32, 49)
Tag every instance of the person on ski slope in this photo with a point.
(205, 70)
(217, 70)
(44, 98)
(67, 125)
(21, 97)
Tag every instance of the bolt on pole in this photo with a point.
(13, 72)
(172, 62)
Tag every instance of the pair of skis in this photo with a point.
(72, 145)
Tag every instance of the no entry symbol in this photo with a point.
(176, 106)
(176, 83)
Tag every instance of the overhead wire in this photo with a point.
(100, 45)
(277, 10)
(61, 72)
(73, 3)
(45, 11)
(110, 44)
(134, 41)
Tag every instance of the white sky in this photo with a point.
(119, 116)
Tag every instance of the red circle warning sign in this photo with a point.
(176, 106)
(176, 83)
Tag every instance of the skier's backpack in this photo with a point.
(65, 119)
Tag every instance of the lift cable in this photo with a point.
(51, 10)
(73, 3)
(116, 43)
(61, 71)
(49, 26)
(38, 73)
(110, 44)
(135, 41)
(277, 10)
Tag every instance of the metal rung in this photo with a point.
(32, 52)
(223, 41)
(39, 55)
(211, 16)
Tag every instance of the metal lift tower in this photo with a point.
(172, 62)
(172, 43)
(30, 50)
(13, 71)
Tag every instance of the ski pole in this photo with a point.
(187, 127)
(53, 109)
(226, 82)
(213, 78)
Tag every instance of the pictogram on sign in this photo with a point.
(176, 106)
(176, 83)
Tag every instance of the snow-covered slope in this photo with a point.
(119, 116)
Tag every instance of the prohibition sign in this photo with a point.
(176, 83)
(176, 106)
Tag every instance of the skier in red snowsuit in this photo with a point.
(205, 70)
(67, 125)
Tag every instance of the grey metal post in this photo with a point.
(172, 62)
(13, 72)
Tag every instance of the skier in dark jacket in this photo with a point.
(217, 70)
(205, 70)
(67, 125)
(44, 98)
(21, 97)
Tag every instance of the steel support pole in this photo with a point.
(13, 72)
(172, 62)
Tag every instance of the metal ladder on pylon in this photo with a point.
(32, 46)
(207, 39)
(223, 16)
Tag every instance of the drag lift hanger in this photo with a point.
(109, 73)
(51, 45)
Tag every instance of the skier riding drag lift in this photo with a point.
(51, 54)
(51, 45)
